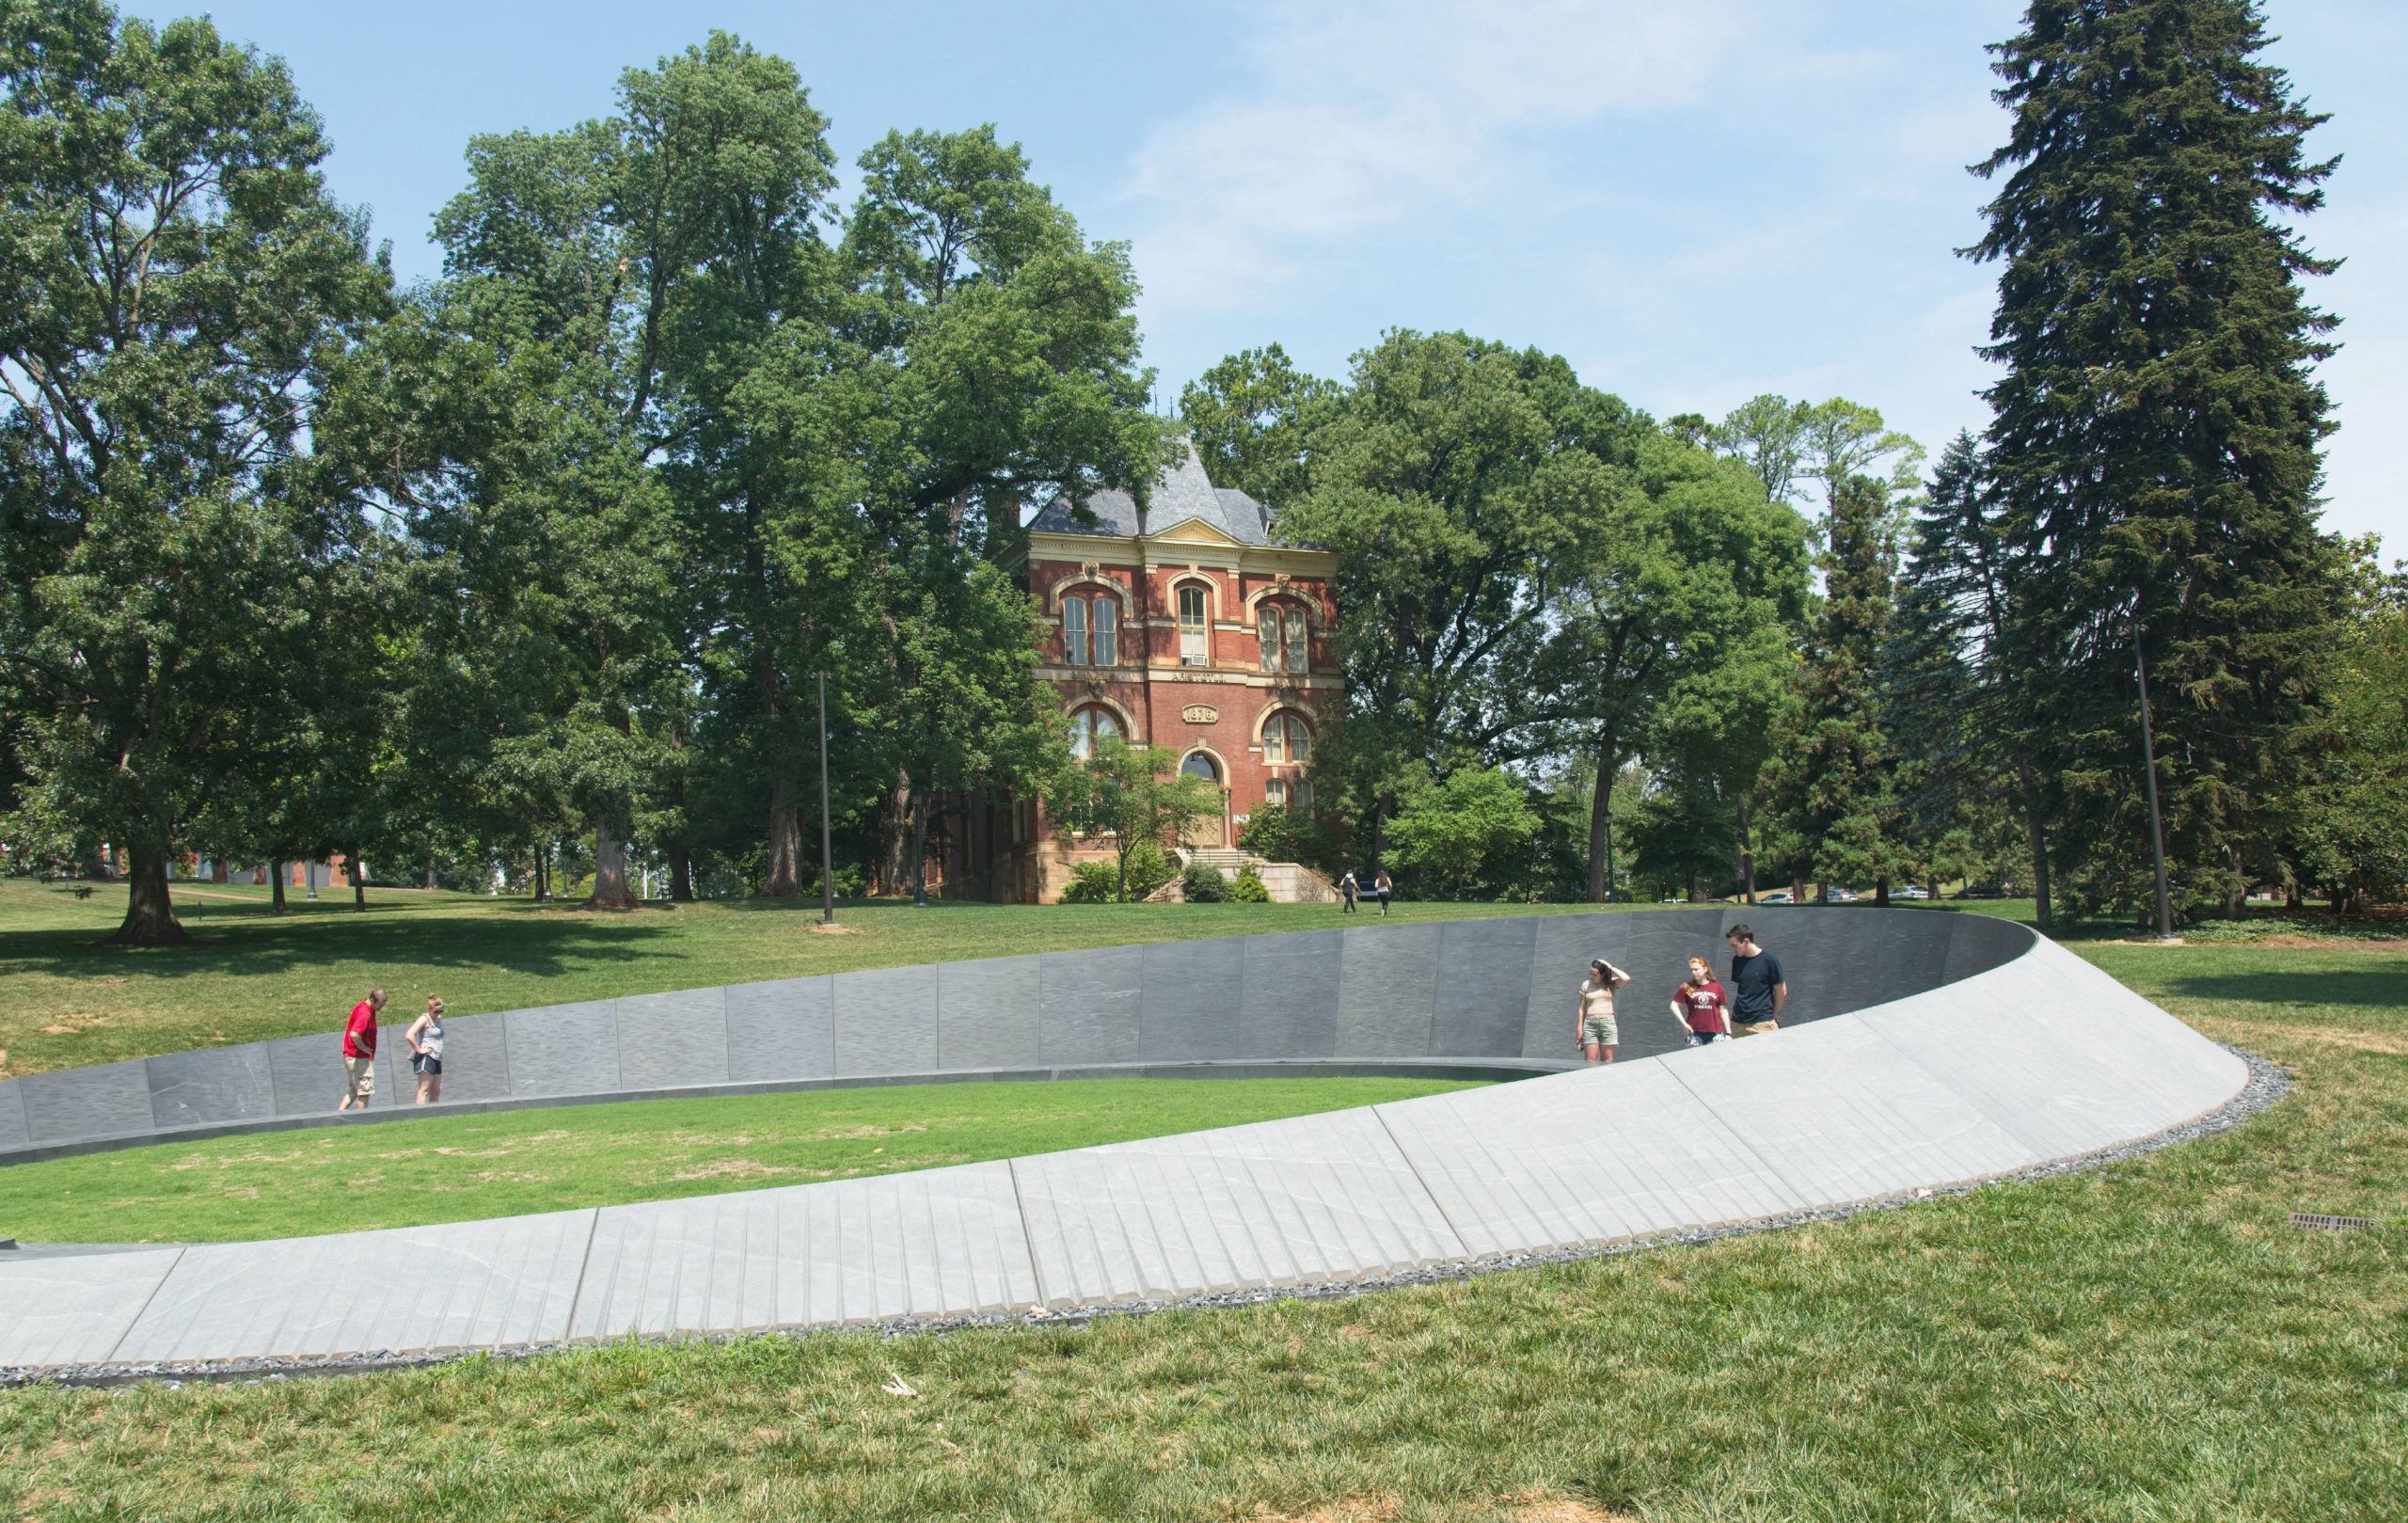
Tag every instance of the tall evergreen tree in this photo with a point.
(2155, 438)
(1832, 780)
(1951, 703)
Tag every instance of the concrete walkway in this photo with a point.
(2039, 1058)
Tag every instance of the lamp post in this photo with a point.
(827, 856)
(2148, 760)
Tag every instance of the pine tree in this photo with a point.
(2155, 438)
(1832, 780)
(1949, 702)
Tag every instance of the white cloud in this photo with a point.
(1361, 114)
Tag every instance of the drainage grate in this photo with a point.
(2331, 1224)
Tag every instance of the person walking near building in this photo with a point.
(425, 1037)
(1758, 991)
(1701, 1006)
(1386, 888)
(359, 1052)
(1594, 1029)
(1349, 890)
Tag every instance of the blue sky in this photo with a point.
(1693, 202)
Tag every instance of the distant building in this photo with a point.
(1185, 628)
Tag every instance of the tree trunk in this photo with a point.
(541, 881)
(1601, 804)
(681, 873)
(217, 873)
(1796, 888)
(149, 914)
(358, 882)
(919, 847)
(2040, 843)
(781, 876)
(610, 870)
(430, 870)
(276, 876)
(894, 822)
(1747, 855)
(1881, 891)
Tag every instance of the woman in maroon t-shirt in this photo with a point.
(1701, 1006)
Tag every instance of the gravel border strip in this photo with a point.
(2267, 1083)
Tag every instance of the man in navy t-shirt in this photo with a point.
(1757, 989)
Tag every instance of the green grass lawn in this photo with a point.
(464, 1167)
(66, 1001)
(2152, 1341)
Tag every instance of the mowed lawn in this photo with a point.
(407, 1173)
(2151, 1341)
(66, 1001)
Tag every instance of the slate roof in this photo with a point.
(1182, 492)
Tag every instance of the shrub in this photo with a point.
(1249, 889)
(1204, 884)
(1099, 882)
(1150, 867)
(1092, 882)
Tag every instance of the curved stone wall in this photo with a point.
(1491, 995)
(2020, 1054)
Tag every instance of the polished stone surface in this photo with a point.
(2039, 1056)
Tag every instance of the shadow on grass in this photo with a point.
(2380, 986)
(526, 939)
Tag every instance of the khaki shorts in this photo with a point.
(360, 1076)
(1754, 1028)
(1600, 1031)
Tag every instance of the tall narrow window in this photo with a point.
(1195, 636)
(1300, 798)
(1274, 792)
(1266, 625)
(1296, 640)
(1090, 727)
(1108, 632)
(1074, 630)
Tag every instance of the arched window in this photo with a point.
(1194, 634)
(1091, 630)
(1280, 630)
(1088, 728)
(1285, 738)
(1199, 765)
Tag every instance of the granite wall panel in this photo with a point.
(1849, 939)
(558, 1050)
(1914, 953)
(986, 1013)
(1088, 1004)
(12, 1115)
(1559, 958)
(1290, 1008)
(1980, 942)
(96, 1101)
(886, 1020)
(781, 1030)
(224, 1084)
(670, 1041)
(1192, 991)
(305, 1073)
(1482, 997)
(476, 1058)
(1388, 992)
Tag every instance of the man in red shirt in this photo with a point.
(1701, 1005)
(359, 1051)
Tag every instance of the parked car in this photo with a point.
(1844, 896)
(1910, 892)
(1777, 896)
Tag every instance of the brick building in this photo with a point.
(1184, 627)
